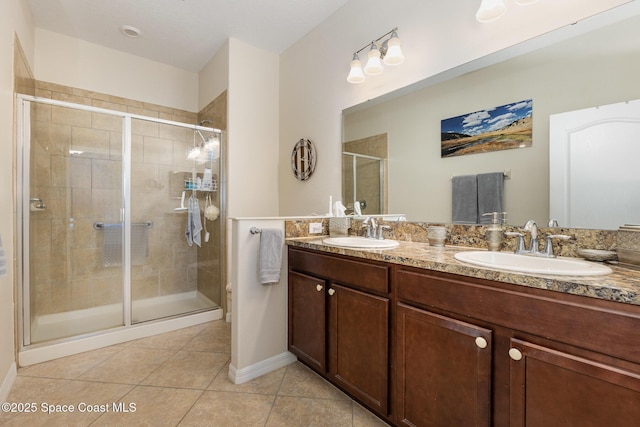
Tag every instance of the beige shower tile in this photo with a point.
(229, 409)
(106, 121)
(129, 366)
(140, 110)
(154, 406)
(106, 174)
(69, 367)
(305, 412)
(175, 281)
(68, 116)
(79, 172)
(76, 98)
(144, 128)
(81, 294)
(188, 369)
(158, 150)
(301, 381)
(93, 143)
(108, 289)
(265, 384)
(106, 204)
(115, 147)
(40, 168)
(176, 133)
(81, 203)
(81, 233)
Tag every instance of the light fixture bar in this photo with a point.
(387, 51)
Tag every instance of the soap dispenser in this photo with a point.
(494, 233)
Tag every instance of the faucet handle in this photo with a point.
(548, 244)
(520, 236)
(382, 227)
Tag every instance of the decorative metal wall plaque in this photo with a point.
(303, 159)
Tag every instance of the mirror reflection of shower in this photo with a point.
(364, 175)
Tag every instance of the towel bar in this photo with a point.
(255, 230)
(100, 225)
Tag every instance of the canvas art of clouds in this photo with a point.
(499, 128)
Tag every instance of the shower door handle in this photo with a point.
(36, 204)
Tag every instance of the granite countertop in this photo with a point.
(623, 285)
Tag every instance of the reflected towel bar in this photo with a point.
(506, 173)
(100, 225)
(255, 230)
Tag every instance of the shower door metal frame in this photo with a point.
(354, 159)
(23, 153)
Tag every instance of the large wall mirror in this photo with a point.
(595, 68)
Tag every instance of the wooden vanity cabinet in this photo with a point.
(339, 322)
(555, 359)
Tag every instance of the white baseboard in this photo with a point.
(8, 381)
(258, 369)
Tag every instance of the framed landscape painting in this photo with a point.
(498, 128)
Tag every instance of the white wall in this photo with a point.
(213, 79)
(436, 36)
(73, 62)
(252, 136)
(15, 18)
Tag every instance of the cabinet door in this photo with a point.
(307, 320)
(359, 345)
(553, 388)
(443, 369)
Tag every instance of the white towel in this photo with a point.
(194, 224)
(270, 257)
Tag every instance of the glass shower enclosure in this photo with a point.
(103, 223)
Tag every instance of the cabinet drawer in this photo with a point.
(602, 326)
(368, 276)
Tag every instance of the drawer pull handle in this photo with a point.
(481, 342)
(332, 291)
(318, 288)
(515, 354)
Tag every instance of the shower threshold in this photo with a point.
(78, 322)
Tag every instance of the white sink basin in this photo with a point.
(529, 264)
(360, 242)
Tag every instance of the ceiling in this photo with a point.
(183, 33)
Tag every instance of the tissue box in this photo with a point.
(339, 226)
(628, 245)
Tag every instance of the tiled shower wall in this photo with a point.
(370, 186)
(67, 252)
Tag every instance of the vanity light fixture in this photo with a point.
(490, 10)
(388, 52)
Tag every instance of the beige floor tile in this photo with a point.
(188, 369)
(70, 404)
(154, 406)
(129, 366)
(305, 412)
(222, 409)
(301, 381)
(175, 340)
(364, 418)
(70, 367)
(265, 384)
(215, 337)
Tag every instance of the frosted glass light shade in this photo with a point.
(490, 10)
(374, 64)
(394, 54)
(355, 74)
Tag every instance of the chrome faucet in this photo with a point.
(372, 227)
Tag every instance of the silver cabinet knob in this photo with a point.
(481, 342)
(515, 354)
(319, 288)
(331, 291)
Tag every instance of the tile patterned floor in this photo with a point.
(177, 379)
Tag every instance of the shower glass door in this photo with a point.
(169, 277)
(72, 206)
